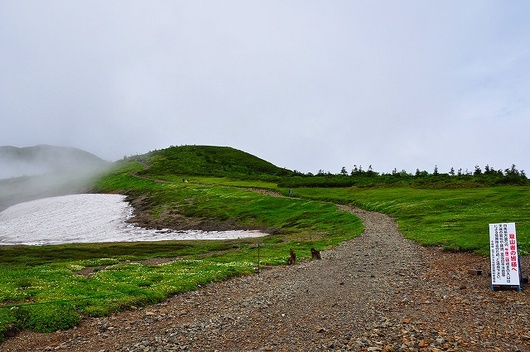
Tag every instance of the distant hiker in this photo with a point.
(290, 193)
(292, 258)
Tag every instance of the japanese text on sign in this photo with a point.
(503, 254)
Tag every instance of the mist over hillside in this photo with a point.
(45, 159)
(44, 171)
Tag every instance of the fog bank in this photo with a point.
(43, 171)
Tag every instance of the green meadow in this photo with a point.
(47, 288)
(456, 219)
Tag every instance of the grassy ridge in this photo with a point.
(208, 161)
(202, 198)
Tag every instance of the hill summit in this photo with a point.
(207, 161)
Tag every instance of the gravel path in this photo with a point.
(377, 292)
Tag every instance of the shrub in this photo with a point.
(50, 317)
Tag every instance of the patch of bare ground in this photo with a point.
(377, 292)
(172, 219)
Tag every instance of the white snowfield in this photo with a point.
(87, 218)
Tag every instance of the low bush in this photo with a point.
(50, 317)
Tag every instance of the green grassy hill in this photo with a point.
(207, 161)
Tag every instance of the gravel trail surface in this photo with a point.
(377, 292)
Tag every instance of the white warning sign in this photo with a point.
(504, 255)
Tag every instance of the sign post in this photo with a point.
(505, 267)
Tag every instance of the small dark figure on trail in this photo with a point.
(290, 193)
(315, 254)
(292, 258)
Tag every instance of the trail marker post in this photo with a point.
(505, 264)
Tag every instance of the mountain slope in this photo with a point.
(45, 159)
(208, 161)
(44, 171)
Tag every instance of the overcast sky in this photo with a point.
(306, 85)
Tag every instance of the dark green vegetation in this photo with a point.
(420, 179)
(51, 287)
(208, 161)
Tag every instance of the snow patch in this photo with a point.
(88, 218)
